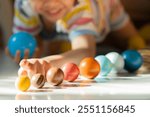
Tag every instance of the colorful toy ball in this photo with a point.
(105, 64)
(38, 80)
(55, 76)
(133, 60)
(89, 68)
(22, 41)
(71, 72)
(23, 83)
(117, 61)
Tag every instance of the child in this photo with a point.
(85, 21)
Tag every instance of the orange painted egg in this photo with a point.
(89, 68)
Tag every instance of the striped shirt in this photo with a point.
(94, 17)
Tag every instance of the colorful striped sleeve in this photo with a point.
(118, 16)
(25, 20)
(85, 25)
(79, 21)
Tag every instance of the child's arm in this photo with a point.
(123, 27)
(82, 46)
(128, 32)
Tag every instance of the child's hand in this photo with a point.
(35, 66)
(17, 58)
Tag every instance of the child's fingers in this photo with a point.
(17, 56)
(46, 66)
(33, 65)
(26, 54)
(27, 65)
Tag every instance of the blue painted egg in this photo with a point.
(22, 41)
(117, 61)
(105, 64)
(133, 60)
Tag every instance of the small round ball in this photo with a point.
(89, 68)
(23, 83)
(133, 60)
(105, 64)
(117, 61)
(71, 72)
(21, 41)
(55, 76)
(38, 80)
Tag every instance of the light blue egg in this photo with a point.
(105, 64)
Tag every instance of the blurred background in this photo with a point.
(139, 10)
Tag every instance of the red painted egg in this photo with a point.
(71, 72)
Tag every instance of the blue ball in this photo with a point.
(22, 41)
(105, 64)
(133, 60)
